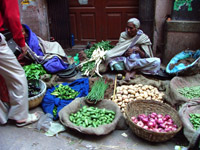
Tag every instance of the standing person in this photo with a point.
(133, 52)
(10, 69)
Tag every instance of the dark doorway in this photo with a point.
(59, 24)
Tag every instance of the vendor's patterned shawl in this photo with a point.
(126, 42)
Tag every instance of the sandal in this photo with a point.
(31, 119)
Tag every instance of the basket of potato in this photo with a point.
(127, 93)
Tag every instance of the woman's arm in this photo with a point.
(135, 49)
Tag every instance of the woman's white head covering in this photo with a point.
(135, 21)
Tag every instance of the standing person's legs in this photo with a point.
(4, 109)
(16, 82)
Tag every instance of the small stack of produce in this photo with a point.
(155, 122)
(128, 93)
(64, 92)
(95, 55)
(190, 92)
(103, 44)
(97, 91)
(92, 117)
(195, 120)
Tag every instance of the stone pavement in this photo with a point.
(29, 138)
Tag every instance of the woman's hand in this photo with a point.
(129, 52)
(140, 52)
(135, 49)
(24, 52)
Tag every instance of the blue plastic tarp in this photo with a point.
(181, 66)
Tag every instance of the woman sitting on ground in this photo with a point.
(42, 52)
(133, 52)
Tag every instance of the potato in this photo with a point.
(119, 103)
(125, 92)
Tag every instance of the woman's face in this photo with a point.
(24, 33)
(131, 29)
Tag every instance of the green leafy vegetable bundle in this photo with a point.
(97, 91)
(34, 71)
(64, 92)
(88, 66)
(92, 117)
(104, 45)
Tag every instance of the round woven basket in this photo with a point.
(36, 100)
(146, 107)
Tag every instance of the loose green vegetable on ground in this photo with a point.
(195, 120)
(190, 92)
(64, 92)
(92, 117)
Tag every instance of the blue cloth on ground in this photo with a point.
(55, 65)
(50, 101)
(181, 66)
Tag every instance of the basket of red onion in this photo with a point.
(152, 120)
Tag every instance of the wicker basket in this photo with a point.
(36, 100)
(135, 108)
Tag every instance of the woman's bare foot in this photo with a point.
(132, 75)
(127, 76)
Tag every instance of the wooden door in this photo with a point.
(100, 19)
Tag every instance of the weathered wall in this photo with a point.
(34, 14)
(162, 9)
(179, 36)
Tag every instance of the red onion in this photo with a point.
(160, 116)
(153, 113)
(162, 125)
(150, 124)
(141, 116)
(174, 129)
(167, 117)
(160, 121)
(140, 124)
(144, 120)
(161, 130)
(167, 129)
(146, 127)
(170, 120)
(135, 121)
(155, 122)
(168, 123)
(133, 118)
(155, 129)
(151, 119)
